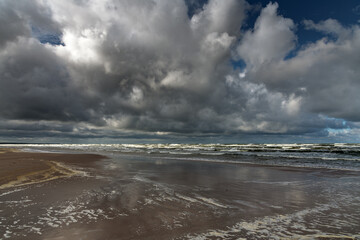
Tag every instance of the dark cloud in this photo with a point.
(12, 25)
(35, 84)
(152, 69)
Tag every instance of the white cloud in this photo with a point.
(322, 76)
(220, 16)
(270, 40)
(329, 26)
(176, 79)
(292, 104)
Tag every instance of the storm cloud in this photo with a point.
(148, 69)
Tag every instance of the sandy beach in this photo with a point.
(22, 168)
(142, 196)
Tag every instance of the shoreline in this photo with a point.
(212, 159)
(24, 168)
(139, 196)
(18, 168)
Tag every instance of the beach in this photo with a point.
(140, 195)
(20, 169)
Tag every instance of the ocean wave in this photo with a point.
(333, 156)
(334, 148)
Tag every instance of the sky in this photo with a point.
(179, 71)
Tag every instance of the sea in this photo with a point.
(341, 156)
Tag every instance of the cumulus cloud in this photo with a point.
(322, 74)
(270, 40)
(18, 18)
(12, 24)
(329, 26)
(146, 67)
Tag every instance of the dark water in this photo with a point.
(331, 156)
(173, 192)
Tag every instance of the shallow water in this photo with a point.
(138, 195)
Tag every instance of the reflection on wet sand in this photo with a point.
(138, 196)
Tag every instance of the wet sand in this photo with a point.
(142, 196)
(22, 168)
